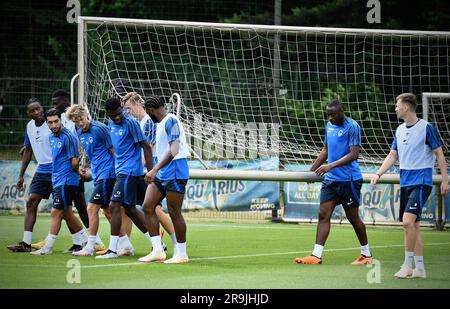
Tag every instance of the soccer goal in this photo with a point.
(256, 94)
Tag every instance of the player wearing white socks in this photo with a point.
(416, 146)
(65, 179)
(133, 104)
(167, 180)
(96, 141)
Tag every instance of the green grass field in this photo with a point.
(227, 255)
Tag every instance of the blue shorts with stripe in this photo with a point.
(171, 185)
(129, 190)
(345, 193)
(103, 189)
(41, 185)
(412, 199)
(63, 196)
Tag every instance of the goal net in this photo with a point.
(251, 93)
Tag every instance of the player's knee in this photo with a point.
(57, 213)
(174, 213)
(323, 215)
(32, 204)
(407, 224)
(92, 210)
(148, 210)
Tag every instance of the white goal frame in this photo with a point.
(239, 174)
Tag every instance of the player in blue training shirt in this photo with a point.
(416, 146)
(65, 178)
(61, 101)
(37, 142)
(96, 141)
(168, 180)
(342, 183)
(128, 141)
(133, 104)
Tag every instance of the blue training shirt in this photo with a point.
(126, 138)
(416, 175)
(96, 142)
(64, 148)
(339, 139)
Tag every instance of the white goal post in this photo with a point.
(259, 91)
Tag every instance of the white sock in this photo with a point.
(80, 237)
(98, 240)
(76, 239)
(124, 242)
(83, 236)
(91, 243)
(174, 239)
(365, 250)
(409, 256)
(156, 243)
(181, 249)
(148, 236)
(113, 241)
(27, 237)
(419, 262)
(318, 249)
(50, 241)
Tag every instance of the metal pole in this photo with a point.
(425, 107)
(276, 89)
(439, 199)
(72, 89)
(80, 59)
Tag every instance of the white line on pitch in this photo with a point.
(221, 257)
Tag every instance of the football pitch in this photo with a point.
(227, 255)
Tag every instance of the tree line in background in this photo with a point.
(38, 53)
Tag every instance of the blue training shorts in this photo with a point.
(103, 189)
(63, 196)
(412, 199)
(41, 185)
(345, 193)
(171, 185)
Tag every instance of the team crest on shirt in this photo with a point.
(59, 145)
(340, 133)
(91, 139)
(120, 132)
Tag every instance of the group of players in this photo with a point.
(416, 146)
(146, 134)
(138, 159)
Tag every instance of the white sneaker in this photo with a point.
(153, 256)
(43, 251)
(417, 273)
(176, 259)
(404, 272)
(127, 251)
(83, 252)
(108, 255)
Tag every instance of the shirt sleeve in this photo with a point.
(71, 146)
(135, 130)
(354, 135)
(150, 132)
(432, 138)
(172, 130)
(26, 142)
(394, 143)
